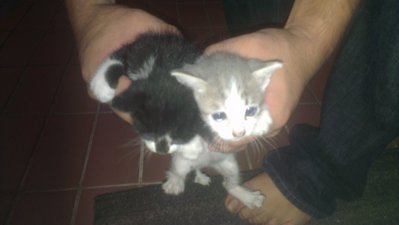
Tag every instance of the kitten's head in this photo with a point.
(164, 121)
(230, 93)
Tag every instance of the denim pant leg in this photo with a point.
(360, 116)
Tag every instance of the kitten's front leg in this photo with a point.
(201, 178)
(230, 171)
(105, 79)
(175, 177)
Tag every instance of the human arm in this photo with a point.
(101, 27)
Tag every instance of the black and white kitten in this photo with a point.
(165, 113)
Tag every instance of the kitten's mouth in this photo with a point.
(231, 146)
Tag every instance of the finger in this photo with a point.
(124, 115)
(247, 213)
(233, 205)
(123, 84)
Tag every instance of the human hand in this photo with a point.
(105, 28)
(286, 86)
(276, 209)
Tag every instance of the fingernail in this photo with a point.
(233, 205)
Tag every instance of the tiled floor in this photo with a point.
(59, 148)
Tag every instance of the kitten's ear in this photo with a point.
(265, 73)
(195, 83)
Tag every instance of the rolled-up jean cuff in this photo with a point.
(287, 191)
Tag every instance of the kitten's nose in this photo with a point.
(161, 146)
(239, 133)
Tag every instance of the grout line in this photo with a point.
(83, 172)
(141, 163)
(29, 163)
(132, 185)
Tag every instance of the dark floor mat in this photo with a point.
(200, 205)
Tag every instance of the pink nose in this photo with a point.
(239, 133)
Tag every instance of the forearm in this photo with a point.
(80, 12)
(321, 24)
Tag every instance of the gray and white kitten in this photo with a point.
(230, 93)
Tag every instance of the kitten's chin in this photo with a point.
(230, 145)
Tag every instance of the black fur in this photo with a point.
(159, 104)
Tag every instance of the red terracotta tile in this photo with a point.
(192, 16)
(307, 97)
(61, 21)
(5, 204)
(142, 4)
(60, 156)
(9, 76)
(85, 214)
(215, 12)
(188, 1)
(11, 14)
(72, 96)
(112, 159)
(39, 17)
(3, 36)
(74, 60)
(36, 90)
(165, 11)
(46, 208)
(19, 47)
(104, 108)
(18, 137)
(54, 49)
(155, 167)
(309, 114)
(199, 36)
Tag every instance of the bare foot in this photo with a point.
(276, 209)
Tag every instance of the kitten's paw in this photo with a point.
(201, 178)
(251, 199)
(254, 200)
(174, 185)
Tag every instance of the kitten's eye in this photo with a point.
(219, 116)
(251, 111)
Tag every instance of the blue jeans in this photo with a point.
(360, 116)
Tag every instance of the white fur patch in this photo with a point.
(145, 70)
(99, 85)
(251, 199)
(234, 127)
(195, 156)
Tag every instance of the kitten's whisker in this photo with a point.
(131, 144)
(256, 149)
(271, 141)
